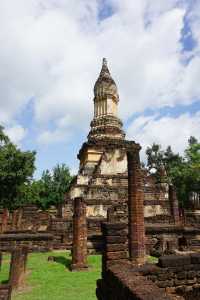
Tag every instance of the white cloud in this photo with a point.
(167, 130)
(16, 133)
(54, 136)
(51, 50)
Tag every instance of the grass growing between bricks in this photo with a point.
(53, 280)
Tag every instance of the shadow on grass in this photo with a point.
(5, 281)
(63, 261)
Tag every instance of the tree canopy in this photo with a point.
(16, 170)
(182, 171)
(50, 189)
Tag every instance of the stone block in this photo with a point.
(116, 255)
(116, 239)
(165, 276)
(165, 283)
(198, 273)
(191, 281)
(173, 261)
(152, 278)
(181, 275)
(191, 274)
(116, 247)
(170, 290)
(178, 282)
(195, 258)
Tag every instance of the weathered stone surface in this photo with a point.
(165, 283)
(136, 209)
(120, 282)
(115, 247)
(5, 292)
(195, 258)
(116, 255)
(18, 267)
(79, 250)
(116, 239)
(174, 261)
(34, 241)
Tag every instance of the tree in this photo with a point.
(183, 172)
(16, 169)
(154, 157)
(53, 186)
(3, 138)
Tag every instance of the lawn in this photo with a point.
(53, 280)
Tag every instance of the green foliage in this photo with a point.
(183, 172)
(16, 169)
(30, 192)
(3, 137)
(51, 188)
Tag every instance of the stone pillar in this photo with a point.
(18, 267)
(79, 250)
(174, 204)
(136, 209)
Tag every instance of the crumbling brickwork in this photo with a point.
(120, 282)
(5, 292)
(115, 244)
(18, 267)
(136, 209)
(34, 241)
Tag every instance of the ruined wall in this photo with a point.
(119, 282)
(35, 242)
(5, 292)
(104, 182)
(33, 220)
(174, 277)
(177, 275)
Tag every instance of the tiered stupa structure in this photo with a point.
(103, 174)
(106, 123)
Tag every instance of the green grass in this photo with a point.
(53, 280)
(152, 259)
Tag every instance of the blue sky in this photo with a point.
(51, 56)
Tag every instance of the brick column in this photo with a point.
(5, 217)
(136, 209)
(18, 267)
(79, 248)
(1, 258)
(174, 204)
(115, 248)
(14, 219)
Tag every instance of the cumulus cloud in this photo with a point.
(16, 133)
(51, 52)
(61, 133)
(167, 130)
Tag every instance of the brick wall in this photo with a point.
(34, 241)
(177, 275)
(120, 282)
(5, 292)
